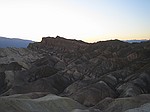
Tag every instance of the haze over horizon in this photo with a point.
(87, 20)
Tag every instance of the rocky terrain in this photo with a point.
(65, 75)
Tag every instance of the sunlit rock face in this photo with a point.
(89, 73)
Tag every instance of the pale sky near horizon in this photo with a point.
(87, 20)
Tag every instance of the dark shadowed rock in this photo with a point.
(94, 93)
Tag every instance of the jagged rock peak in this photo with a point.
(59, 43)
(58, 38)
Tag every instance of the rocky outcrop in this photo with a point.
(60, 44)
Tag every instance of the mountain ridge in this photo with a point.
(14, 42)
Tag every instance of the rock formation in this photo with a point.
(93, 74)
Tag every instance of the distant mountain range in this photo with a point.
(14, 42)
(135, 41)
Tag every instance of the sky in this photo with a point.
(87, 20)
